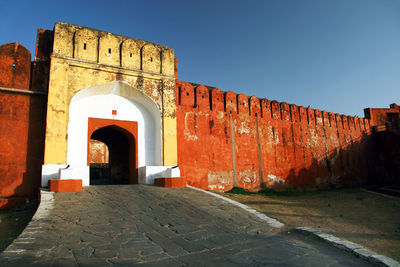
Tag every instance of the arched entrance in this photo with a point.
(127, 111)
(120, 138)
(121, 152)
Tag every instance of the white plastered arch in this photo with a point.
(130, 104)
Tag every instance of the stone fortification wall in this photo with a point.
(228, 140)
(22, 121)
(223, 139)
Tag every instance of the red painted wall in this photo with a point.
(22, 128)
(22, 121)
(227, 140)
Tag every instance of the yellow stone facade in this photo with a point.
(84, 57)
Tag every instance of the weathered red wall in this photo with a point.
(22, 124)
(275, 145)
(21, 141)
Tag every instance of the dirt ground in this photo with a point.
(354, 214)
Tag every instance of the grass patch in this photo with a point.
(239, 191)
(272, 192)
(266, 192)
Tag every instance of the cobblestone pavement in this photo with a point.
(136, 224)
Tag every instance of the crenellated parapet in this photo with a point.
(207, 98)
(86, 44)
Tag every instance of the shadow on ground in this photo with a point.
(13, 222)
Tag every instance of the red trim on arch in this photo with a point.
(129, 126)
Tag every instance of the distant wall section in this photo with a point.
(382, 116)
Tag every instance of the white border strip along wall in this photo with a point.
(356, 249)
(270, 221)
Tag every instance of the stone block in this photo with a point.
(66, 185)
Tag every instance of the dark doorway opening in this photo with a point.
(120, 168)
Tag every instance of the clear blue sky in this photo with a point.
(334, 55)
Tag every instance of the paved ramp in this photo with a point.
(137, 224)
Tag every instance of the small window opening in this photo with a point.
(180, 95)
(84, 46)
(151, 59)
(109, 50)
(130, 54)
(202, 96)
(14, 65)
(187, 93)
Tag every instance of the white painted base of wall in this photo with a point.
(76, 172)
(50, 172)
(147, 174)
(60, 171)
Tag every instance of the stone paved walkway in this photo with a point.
(136, 224)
